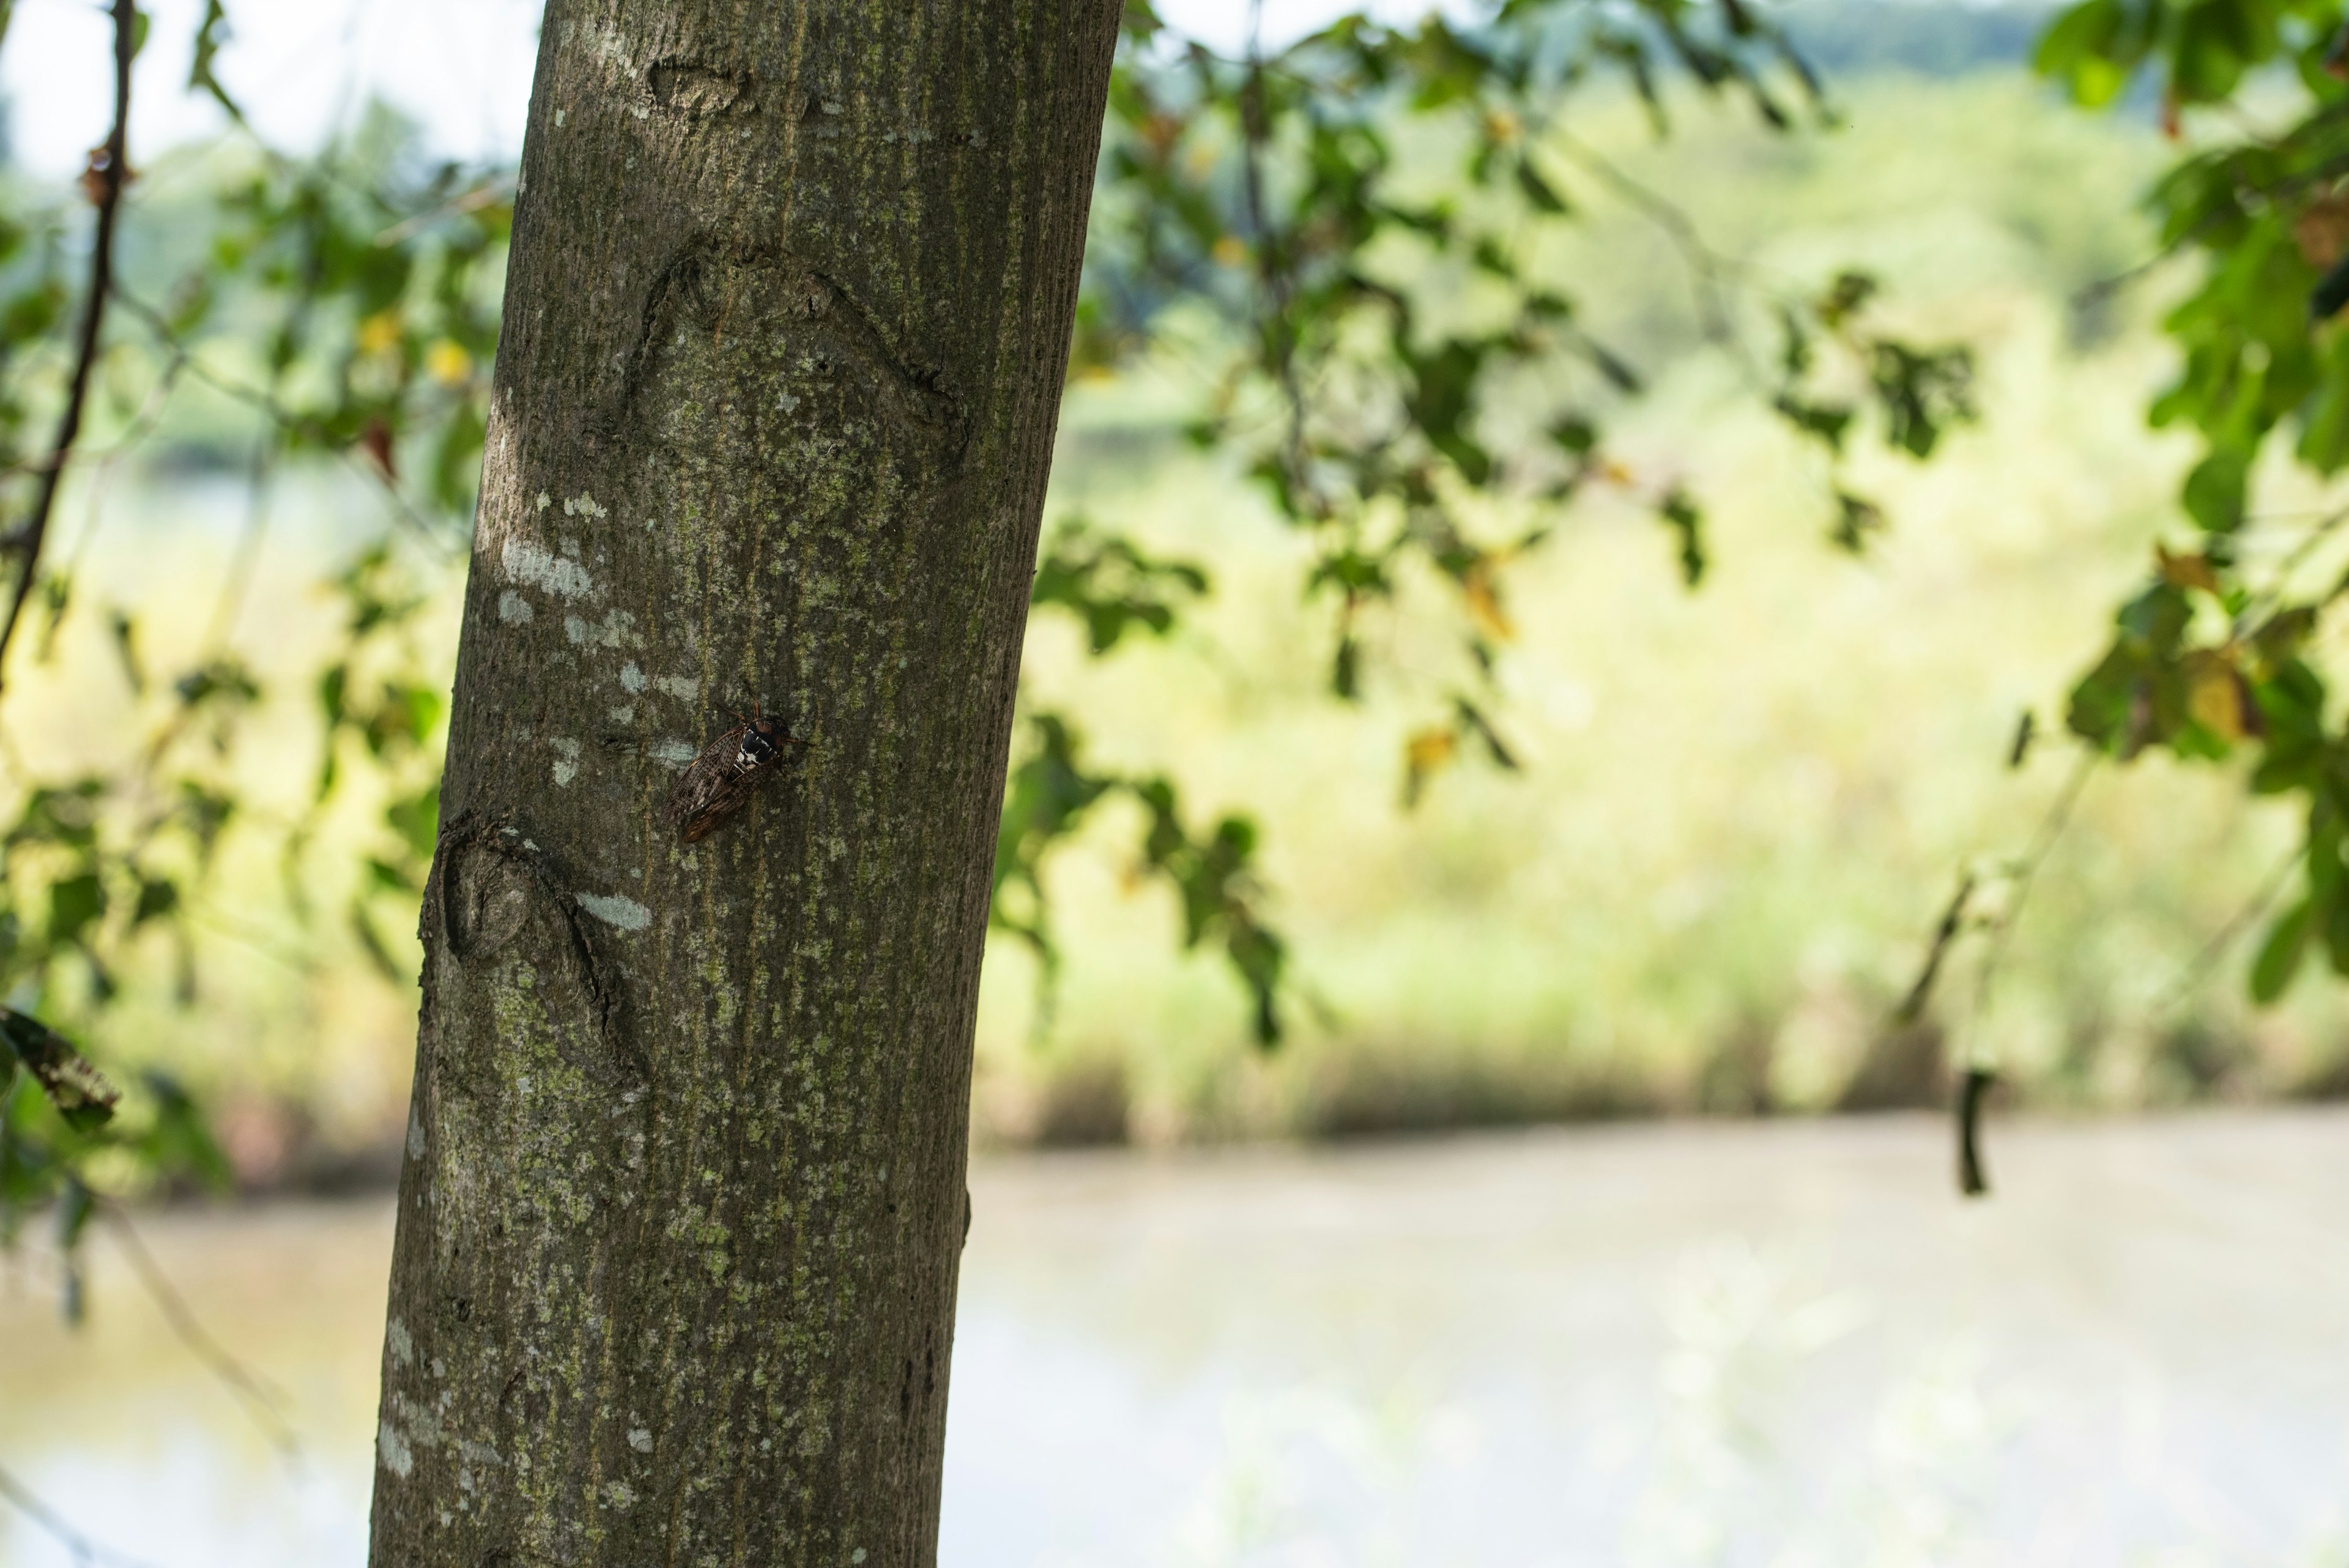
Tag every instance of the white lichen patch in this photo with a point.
(566, 764)
(678, 687)
(403, 1347)
(674, 753)
(617, 629)
(512, 609)
(641, 1439)
(415, 1134)
(393, 1450)
(535, 565)
(584, 505)
(615, 909)
(632, 676)
(624, 714)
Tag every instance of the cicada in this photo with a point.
(729, 770)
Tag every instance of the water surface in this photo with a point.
(1716, 1344)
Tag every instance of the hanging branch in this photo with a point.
(1972, 1182)
(262, 1402)
(2254, 909)
(109, 171)
(1980, 1074)
(84, 1550)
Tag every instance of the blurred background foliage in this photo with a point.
(1557, 522)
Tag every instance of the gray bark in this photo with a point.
(787, 315)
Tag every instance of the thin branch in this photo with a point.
(1271, 264)
(2097, 291)
(261, 1401)
(1980, 1071)
(2206, 962)
(1710, 270)
(247, 558)
(224, 925)
(108, 183)
(2051, 828)
(1972, 1181)
(284, 418)
(1945, 935)
(85, 1551)
(107, 459)
(2293, 561)
(137, 430)
(482, 195)
(2094, 292)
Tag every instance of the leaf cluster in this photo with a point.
(2218, 654)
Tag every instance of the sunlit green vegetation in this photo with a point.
(1742, 808)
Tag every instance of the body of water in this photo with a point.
(1705, 1343)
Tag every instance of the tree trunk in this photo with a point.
(787, 315)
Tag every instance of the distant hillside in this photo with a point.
(1854, 37)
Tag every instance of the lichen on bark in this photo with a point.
(787, 311)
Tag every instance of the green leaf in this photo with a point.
(416, 820)
(157, 896)
(1857, 520)
(371, 943)
(1687, 523)
(210, 33)
(1824, 422)
(178, 1145)
(2214, 493)
(74, 903)
(2331, 293)
(1112, 586)
(2084, 50)
(2279, 955)
(1538, 190)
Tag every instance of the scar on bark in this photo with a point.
(487, 879)
(688, 288)
(698, 91)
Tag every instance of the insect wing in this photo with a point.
(694, 803)
(720, 781)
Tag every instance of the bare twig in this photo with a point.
(1971, 1180)
(141, 425)
(485, 194)
(247, 559)
(1980, 1073)
(1271, 266)
(2051, 828)
(286, 420)
(1710, 270)
(261, 1401)
(1944, 934)
(106, 187)
(84, 1550)
(2296, 558)
(2206, 962)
